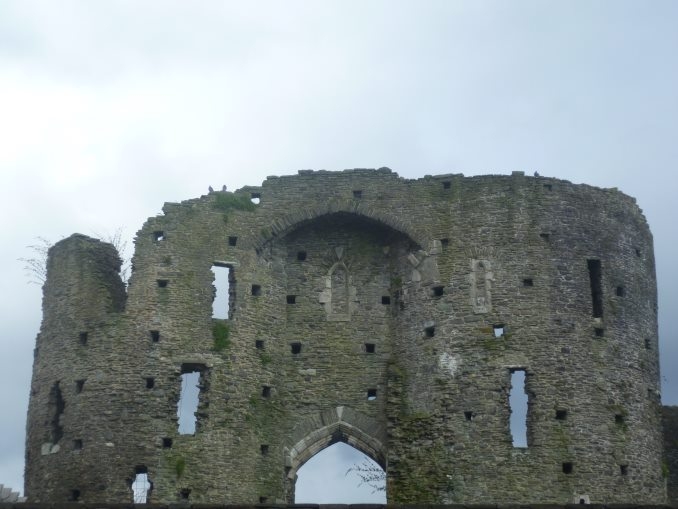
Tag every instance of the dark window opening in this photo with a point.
(548, 187)
(266, 391)
(155, 336)
(357, 194)
(648, 345)
(259, 344)
(232, 241)
(624, 469)
(223, 296)
(150, 383)
(528, 282)
(619, 419)
(599, 332)
(445, 243)
(185, 493)
(429, 332)
(256, 290)
(438, 291)
(545, 236)
(159, 236)
(621, 291)
(567, 468)
(561, 415)
(263, 500)
(637, 252)
(468, 415)
(166, 443)
(301, 256)
(83, 338)
(79, 385)
(191, 398)
(255, 198)
(371, 394)
(291, 299)
(498, 330)
(264, 450)
(385, 300)
(582, 501)
(518, 405)
(596, 280)
(77, 444)
(56, 409)
(447, 184)
(296, 348)
(162, 283)
(74, 496)
(370, 347)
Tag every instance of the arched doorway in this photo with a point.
(330, 477)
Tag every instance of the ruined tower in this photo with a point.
(387, 313)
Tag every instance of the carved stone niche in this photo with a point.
(339, 294)
(481, 278)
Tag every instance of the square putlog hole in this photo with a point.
(296, 348)
(370, 348)
(291, 299)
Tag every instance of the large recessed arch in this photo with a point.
(388, 219)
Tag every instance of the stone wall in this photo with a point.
(365, 308)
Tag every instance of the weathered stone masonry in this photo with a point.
(366, 308)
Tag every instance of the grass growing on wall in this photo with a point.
(220, 333)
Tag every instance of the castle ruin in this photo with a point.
(387, 313)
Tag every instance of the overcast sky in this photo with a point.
(110, 108)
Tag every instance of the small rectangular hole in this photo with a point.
(166, 443)
(447, 184)
(468, 415)
(371, 394)
(266, 391)
(445, 243)
(77, 444)
(150, 383)
(232, 241)
(264, 450)
(155, 336)
(429, 332)
(548, 187)
(619, 419)
(75, 496)
(185, 493)
(263, 500)
(162, 283)
(599, 332)
(83, 338)
(296, 348)
(259, 344)
(545, 236)
(255, 198)
(256, 290)
(438, 291)
(385, 300)
(159, 236)
(370, 347)
(648, 345)
(357, 194)
(561, 415)
(301, 256)
(637, 252)
(567, 468)
(624, 469)
(498, 330)
(291, 299)
(79, 386)
(528, 282)
(621, 291)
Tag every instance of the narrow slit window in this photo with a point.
(150, 382)
(264, 449)
(189, 399)
(648, 345)
(371, 394)
(266, 391)
(624, 469)
(445, 243)
(518, 405)
(223, 289)
(596, 280)
(141, 486)
(56, 406)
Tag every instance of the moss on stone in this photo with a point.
(221, 333)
